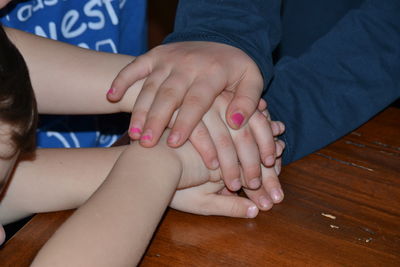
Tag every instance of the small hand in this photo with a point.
(188, 76)
(251, 145)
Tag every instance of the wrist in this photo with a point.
(168, 163)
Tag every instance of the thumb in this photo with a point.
(231, 206)
(244, 103)
(131, 73)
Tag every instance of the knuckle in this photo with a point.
(168, 93)
(193, 100)
(234, 209)
(246, 135)
(246, 101)
(201, 133)
(214, 66)
(150, 85)
(139, 113)
(253, 171)
(258, 117)
(153, 120)
(223, 141)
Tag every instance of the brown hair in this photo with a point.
(17, 99)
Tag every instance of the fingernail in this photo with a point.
(135, 130)
(237, 119)
(214, 164)
(264, 202)
(269, 161)
(281, 126)
(275, 128)
(135, 133)
(252, 211)
(173, 138)
(111, 91)
(276, 195)
(147, 136)
(236, 185)
(255, 183)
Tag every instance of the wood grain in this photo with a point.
(341, 208)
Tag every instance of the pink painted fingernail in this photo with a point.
(111, 91)
(237, 119)
(135, 130)
(147, 136)
(252, 211)
(173, 138)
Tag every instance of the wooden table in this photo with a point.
(342, 208)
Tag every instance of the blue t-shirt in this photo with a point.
(117, 26)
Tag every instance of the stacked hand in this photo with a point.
(209, 93)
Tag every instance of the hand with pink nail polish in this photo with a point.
(185, 78)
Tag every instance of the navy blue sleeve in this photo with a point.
(344, 79)
(252, 26)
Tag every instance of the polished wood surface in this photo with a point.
(342, 208)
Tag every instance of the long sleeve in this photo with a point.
(252, 26)
(344, 79)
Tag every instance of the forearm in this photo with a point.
(69, 79)
(344, 79)
(56, 179)
(114, 227)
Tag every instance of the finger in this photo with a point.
(271, 184)
(226, 205)
(249, 157)
(202, 142)
(278, 166)
(167, 99)
(279, 147)
(260, 197)
(196, 103)
(231, 206)
(277, 127)
(133, 72)
(226, 192)
(266, 114)
(143, 102)
(282, 127)
(262, 104)
(262, 133)
(244, 102)
(226, 151)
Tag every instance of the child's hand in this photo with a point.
(207, 199)
(246, 145)
(188, 76)
(251, 145)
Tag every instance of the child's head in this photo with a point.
(18, 114)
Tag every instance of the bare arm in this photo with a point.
(56, 179)
(84, 74)
(114, 227)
